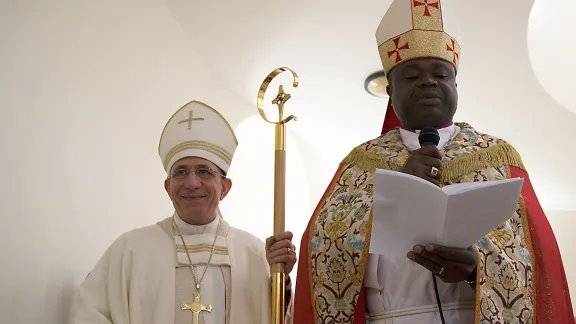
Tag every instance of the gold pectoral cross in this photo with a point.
(196, 307)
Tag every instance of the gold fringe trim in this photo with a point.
(495, 156)
(370, 161)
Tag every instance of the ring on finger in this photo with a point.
(434, 171)
(441, 271)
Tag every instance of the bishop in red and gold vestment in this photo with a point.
(512, 275)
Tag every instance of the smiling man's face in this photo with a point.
(423, 92)
(196, 186)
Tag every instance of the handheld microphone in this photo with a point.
(429, 136)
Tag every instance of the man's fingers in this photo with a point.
(448, 253)
(279, 256)
(424, 165)
(284, 236)
(431, 162)
(269, 242)
(281, 245)
(433, 267)
(447, 264)
(283, 259)
(280, 252)
(431, 151)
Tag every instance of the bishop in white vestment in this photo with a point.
(192, 267)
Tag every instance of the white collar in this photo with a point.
(189, 229)
(410, 138)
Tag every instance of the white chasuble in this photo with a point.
(213, 286)
(140, 280)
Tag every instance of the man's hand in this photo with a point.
(279, 249)
(452, 265)
(422, 162)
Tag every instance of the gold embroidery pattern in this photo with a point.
(190, 119)
(505, 271)
(340, 232)
(199, 145)
(427, 15)
(202, 248)
(419, 44)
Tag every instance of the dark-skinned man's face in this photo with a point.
(423, 92)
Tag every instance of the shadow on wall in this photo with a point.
(59, 299)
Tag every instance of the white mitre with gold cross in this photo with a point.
(197, 130)
(413, 29)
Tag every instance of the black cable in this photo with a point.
(438, 299)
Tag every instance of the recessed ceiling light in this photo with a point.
(376, 83)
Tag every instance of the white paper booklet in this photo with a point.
(409, 210)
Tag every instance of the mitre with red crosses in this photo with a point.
(414, 29)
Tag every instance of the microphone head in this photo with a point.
(429, 136)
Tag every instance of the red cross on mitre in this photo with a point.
(453, 50)
(427, 4)
(397, 49)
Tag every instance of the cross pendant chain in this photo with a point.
(196, 307)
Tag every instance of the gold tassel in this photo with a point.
(369, 161)
(495, 156)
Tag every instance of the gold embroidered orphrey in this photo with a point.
(340, 233)
(190, 119)
(196, 307)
